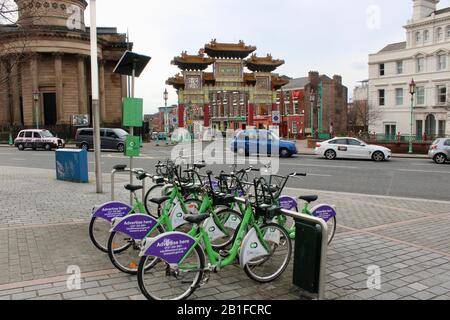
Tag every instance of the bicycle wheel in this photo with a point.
(332, 224)
(124, 251)
(268, 268)
(164, 282)
(153, 192)
(99, 233)
(227, 221)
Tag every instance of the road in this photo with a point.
(412, 178)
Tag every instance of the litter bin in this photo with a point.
(72, 165)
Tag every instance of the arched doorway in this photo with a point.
(430, 125)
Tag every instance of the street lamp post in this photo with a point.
(36, 108)
(412, 91)
(95, 96)
(312, 99)
(166, 117)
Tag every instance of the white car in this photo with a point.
(351, 148)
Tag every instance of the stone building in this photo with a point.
(423, 56)
(51, 82)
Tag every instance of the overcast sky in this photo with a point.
(330, 36)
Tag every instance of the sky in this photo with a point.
(329, 36)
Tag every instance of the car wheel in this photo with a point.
(48, 147)
(330, 154)
(21, 147)
(440, 158)
(121, 148)
(378, 156)
(84, 146)
(284, 153)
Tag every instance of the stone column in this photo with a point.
(102, 91)
(34, 69)
(59, 88)
(82, 86)
(5, 108)
(15, 93)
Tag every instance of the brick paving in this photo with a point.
(44, 230)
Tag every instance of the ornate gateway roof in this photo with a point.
(263, 64)
(228, 50)
(192, 62)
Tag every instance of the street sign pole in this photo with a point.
(133, 82)
(95, 97)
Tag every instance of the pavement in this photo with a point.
(44, 231)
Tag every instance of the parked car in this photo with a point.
(38, 139)
(352, 148)
(440, 151)
(111, 139)
(261, 142)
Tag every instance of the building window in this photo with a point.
(426, 36)
(418, 37)
(420, 64)
(381, 97)
(399, 97)
(442, 62)
(399, 67)
(294, 127)
(441, 128)
(420, 95)
(442, 94)
(382, 70)
(439, 34)
(390, 130)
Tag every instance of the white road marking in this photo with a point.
(337, 193)
(17, 159)
(318, 175)
(424, 171)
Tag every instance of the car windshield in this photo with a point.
(46, 134)
(121, 132)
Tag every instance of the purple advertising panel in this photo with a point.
(170, 247)
(288, 203)
(324, 211)
(112, 210)
(136, 226)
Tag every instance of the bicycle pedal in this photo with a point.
(224, 253)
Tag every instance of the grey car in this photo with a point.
(111, 139)
(440, 151)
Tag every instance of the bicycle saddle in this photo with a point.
(120, 167)
(196, 219)
(132, 188)
(159, 201)
(309, 199)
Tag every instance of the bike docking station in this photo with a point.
(310, 254)
(122, 168)
(132, 65)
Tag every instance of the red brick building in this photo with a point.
(329, 106)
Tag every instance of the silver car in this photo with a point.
(440, 151)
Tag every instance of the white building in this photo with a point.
(425, 57)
